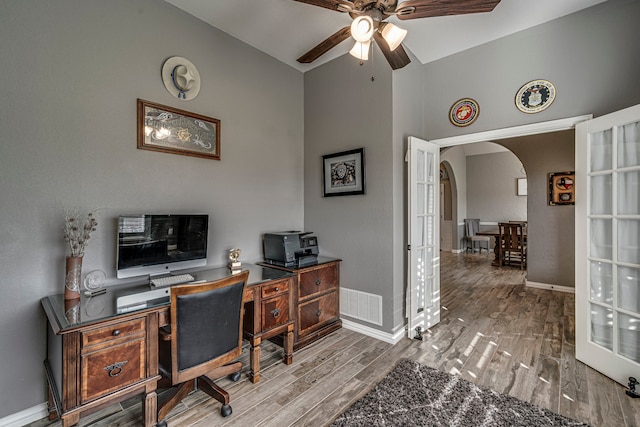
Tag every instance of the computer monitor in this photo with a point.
(159, 244)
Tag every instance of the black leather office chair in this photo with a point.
(205, 337)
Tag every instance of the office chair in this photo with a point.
(471, 227)
(513, 247)
(205, 337)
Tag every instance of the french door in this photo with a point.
(423, 293)
(608, 244)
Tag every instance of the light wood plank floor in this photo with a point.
(494, 332)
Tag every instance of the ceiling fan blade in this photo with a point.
(413, 9)
(330, 42)
(327, 4)
(397, 58)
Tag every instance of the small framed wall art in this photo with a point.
(521, 184)
(562, 188)
(167, 129)
(464, 112)
(343, 173)
(535, 96)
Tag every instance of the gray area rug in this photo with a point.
(416, 395)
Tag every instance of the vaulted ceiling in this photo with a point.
(286, 29)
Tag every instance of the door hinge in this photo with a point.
(408, 247)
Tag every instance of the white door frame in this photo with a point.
(512, 132)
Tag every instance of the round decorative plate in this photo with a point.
(535, 96)
(464, 112)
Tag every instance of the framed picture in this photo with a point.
(562, 188)
(167, 129)
(522, 186)
(343, 173)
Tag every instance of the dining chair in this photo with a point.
(202, 341)
(471, 227)
(513, 248)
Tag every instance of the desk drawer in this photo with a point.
(317, 281)
(275, 312)
(279, 288)
(105, 371)
(113, 332)
(314, 313)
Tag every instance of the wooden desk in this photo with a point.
(99, 354)
(495, 233)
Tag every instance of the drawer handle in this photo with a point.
(277, 289)
(275, 313)
(318, 282)
(318, 313)
(116, 368)
(116, 332)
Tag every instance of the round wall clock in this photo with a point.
(464, 112)
(535, 96)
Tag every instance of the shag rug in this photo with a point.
(416, 395)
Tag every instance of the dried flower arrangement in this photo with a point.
(77, 232)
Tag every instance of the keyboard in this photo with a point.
(172, 280)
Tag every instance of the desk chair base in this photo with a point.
(169, 400)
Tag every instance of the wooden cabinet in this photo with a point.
(316, 301)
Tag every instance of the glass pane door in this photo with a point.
(423, 305)
(609, 338)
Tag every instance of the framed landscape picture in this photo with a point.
(343, 173)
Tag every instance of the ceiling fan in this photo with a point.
(369, 18)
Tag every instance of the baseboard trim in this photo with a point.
(374, 333)
(550, 287)
(456, 251)
(26, 416)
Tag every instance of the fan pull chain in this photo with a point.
(373, 64)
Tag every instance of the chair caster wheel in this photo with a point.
(225, 411)
(235, 377)
(162, 424)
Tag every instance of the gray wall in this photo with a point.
(71, 73)
(590, 56)
(550, 242)
(491, 188)
(345, 109)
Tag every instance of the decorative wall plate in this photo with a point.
(535, 96)
(464, 112)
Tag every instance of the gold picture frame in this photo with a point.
(170, 130)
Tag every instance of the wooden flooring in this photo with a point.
(494, 332)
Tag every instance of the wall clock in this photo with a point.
(464, 112)
(535, 96)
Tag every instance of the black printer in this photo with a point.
(290, 248)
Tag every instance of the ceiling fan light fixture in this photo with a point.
(361, 50)
(362, 28)
(393, 35)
